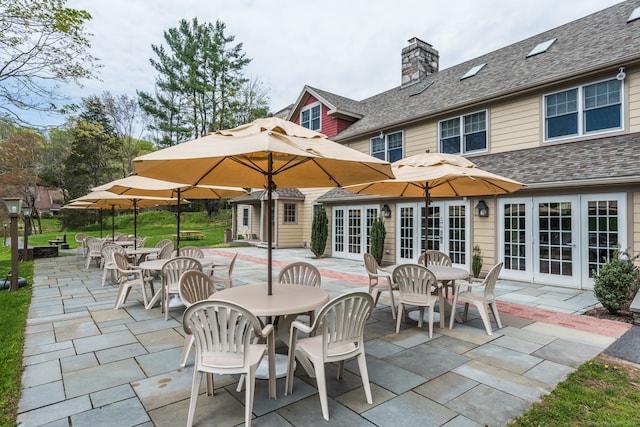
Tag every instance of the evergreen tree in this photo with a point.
(319, 232)
(377, 234)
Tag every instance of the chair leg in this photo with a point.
(452, 317)
(393, 303)
(482, 309)
(430, 308)
(494, 310)
(248, 396)
(195, 389)
(321, 381)
(364, 374)
(188, 343)
(399, 317)
(421, 318)
(104, 276)
(340, 373)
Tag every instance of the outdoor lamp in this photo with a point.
(13, 207)
(26, 215)
(482, 210)
(386, 212)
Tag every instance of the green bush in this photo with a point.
(617, 282)
(476, 262)
(377, 236)
(319, 232)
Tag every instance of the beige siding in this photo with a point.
(636, 224)
(634, 101)
(390, 238)
(306, 210)
(515, 125)
(484, 234)
(254, 221)
(289, 235)
(421, 138)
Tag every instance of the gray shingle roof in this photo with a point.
(595, 42)
(281, 193)
(565, 165)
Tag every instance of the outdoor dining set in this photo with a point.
(234, 329)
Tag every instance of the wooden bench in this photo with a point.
(59, 240)
(190, 235)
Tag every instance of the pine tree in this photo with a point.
(319, 232)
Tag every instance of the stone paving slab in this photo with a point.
(87, 363)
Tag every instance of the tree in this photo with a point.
(19, 163)
(377, 234)
(42, 44)
(56, 150)
(199, 87)
(617, 282)
(126, 119)
(94, 156)
(319, 232)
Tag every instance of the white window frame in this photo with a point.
(245, 217)
(462, 133)
(285, 207)
(386, 157)
(310, 109)
(580, 131)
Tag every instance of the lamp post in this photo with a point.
(13, 208)
(26, 214)
(4, 240)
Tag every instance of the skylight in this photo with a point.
(634, 15)
(472, 72)
(541, 48)
(421, 88)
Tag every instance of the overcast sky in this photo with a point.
(348, 47)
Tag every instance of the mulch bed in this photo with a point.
(625, 316)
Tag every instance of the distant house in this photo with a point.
(559, 111)
(49, 200)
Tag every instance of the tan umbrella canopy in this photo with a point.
(135, 185)
(437, 175)
(266, 153)
(107, 199)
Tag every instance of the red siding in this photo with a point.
(330, 125)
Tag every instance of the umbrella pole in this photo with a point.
(135, 220)
(113, 223)
(426, 220)
(100, 219)
(269, 223)
(178, 235)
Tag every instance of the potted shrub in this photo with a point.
(617, 282)
(377, 235)
(476, 261)
(319, 232)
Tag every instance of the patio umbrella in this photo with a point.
(107, 199)
(266, 153)
(135, 185)
(85, 205)
(437, 175)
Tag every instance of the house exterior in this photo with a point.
(559, 111)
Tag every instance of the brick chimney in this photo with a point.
(419, 59)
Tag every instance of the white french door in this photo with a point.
(560, 240)
(351, 226)
(447, 230)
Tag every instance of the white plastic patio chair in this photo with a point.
(129, 276)
(418, 287)
(170, 273)
(192, 252)
(94, 246)
(339, 331)
(434, 257)
(108, 263)
(479, 299)
(223, 335)
(222, 275)
(301, 273)
(377, 281)
(195, 286)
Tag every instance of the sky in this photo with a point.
(348, 47)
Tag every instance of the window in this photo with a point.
(464, 134)
(310, 118)
(588, 109)
(290, 213)
(245, 217)
(541, 48)
(388, 147)
(473, 71)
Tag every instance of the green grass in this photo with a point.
(13, 316)
(601, 392)
(155, 225)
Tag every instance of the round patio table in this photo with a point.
(157, 264)
(284, 300)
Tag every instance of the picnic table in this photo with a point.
(190, 235)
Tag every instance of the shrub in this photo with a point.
(319, 232)
(476, 262)
(377, 236)
(617, 282)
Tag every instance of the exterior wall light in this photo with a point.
(386, 211)
(482, 210)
